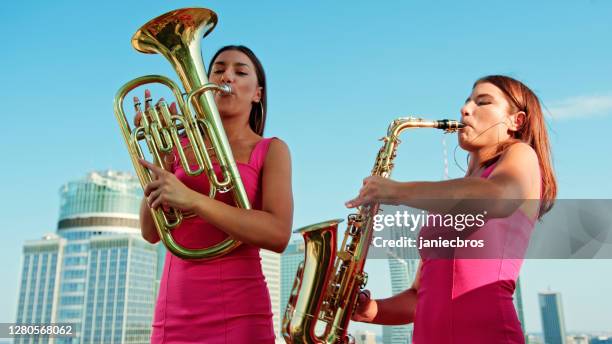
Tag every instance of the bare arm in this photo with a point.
(269, 228)
(515, 178)
(147, 226)
(396, 310)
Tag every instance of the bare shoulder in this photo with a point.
(519, 172)
(277, 151)
(520, 155)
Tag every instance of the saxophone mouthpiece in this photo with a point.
(449, 125)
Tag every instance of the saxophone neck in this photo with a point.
(399, 125)
(386, 155)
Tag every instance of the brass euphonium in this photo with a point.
(177, 35)
(328, 281)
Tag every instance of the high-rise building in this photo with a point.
(364, 337)
(403, 265)
(553, 321)
(120, 290)
(518, 304)
(40, 277)
(402, 273)
(92, 211)
(534, 339)
(271, 266)
(290, 260)
(578, 339)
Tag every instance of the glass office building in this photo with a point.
(553, 320)
(40, 277)
(290, 260)
(97, 247)
(120, 290)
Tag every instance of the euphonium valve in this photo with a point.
(328, 281)
(177, 35)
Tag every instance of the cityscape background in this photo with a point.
(97, 274)
(337, 74)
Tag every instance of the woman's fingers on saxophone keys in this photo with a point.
(375, 189)
(363, 309)
(355, 202)
(364, 296)
(362, 198)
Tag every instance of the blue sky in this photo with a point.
(338, 73)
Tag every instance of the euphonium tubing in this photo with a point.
(177, 36)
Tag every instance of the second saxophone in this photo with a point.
(328, 281)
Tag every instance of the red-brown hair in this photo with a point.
(532, 132)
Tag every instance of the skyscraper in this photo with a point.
(403, 265)
(553, 321)
(120, 290)
(40, 277)
(365, 337)
(518, 304)
(290, 260)
(92, 211)
(402, 273)
(271, 266)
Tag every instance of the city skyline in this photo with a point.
(96, 272)
(350, 70)
(82, 197)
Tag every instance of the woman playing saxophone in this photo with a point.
(456, 300)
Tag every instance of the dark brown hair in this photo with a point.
(532, 132)
(257, 118)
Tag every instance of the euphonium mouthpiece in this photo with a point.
(225, 88)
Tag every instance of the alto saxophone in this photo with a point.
(328, 281)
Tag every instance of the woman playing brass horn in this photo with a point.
(463, 300)
(224, 300)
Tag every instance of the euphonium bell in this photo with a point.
(177, 35)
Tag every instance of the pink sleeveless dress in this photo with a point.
(462, 300)
(224, 300)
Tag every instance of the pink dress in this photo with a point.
(224, 300)
(463, 300)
